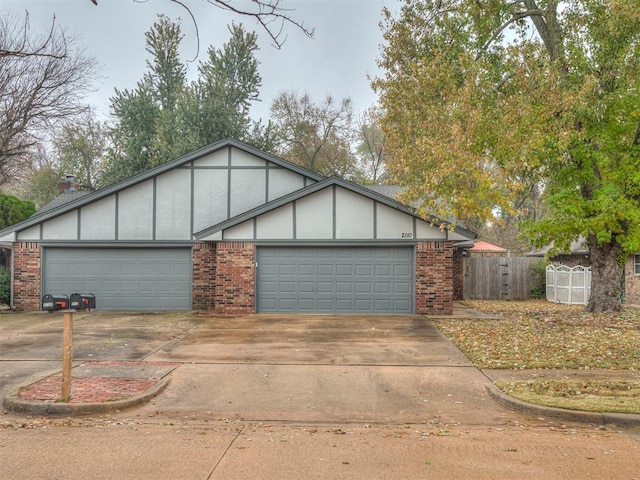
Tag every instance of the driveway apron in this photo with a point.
(324, 368)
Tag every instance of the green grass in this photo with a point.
(587, 395)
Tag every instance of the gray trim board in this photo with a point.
(192, 221)
(375, 220)
(115, 243)
(154, 206)
(335, 209)
(117, 213)
(340, 243)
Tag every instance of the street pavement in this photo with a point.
(284, 397)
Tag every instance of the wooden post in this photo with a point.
(67, 355)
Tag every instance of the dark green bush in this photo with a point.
(5, 285)
(538, 271)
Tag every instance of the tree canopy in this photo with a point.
(165, 116)
(316, 136)
(487, 102)
(14, 210)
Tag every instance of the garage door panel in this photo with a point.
(325, 305)
(335, 279)
(344, 304)
(326, 287)
(400, 304)
(305, 287)
(122, 278)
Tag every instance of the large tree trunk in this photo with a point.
(606, 277)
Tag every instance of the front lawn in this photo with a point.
(538, 334)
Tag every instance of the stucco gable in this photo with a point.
(245, 156)
(332, 209)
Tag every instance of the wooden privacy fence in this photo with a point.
(498, 278)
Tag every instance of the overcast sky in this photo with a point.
(337, 61)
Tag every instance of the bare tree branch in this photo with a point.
(269, 14)
(40, 85)
(22, 46)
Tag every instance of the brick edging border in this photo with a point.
(12, 402)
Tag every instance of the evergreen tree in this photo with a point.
(165, 117)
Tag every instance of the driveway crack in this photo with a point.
(171, 342)
(224, 454)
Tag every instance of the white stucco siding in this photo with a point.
(242, 231)
(314, 216)
(240, 158)
(135, 212)
(455, 236)
(209, 197)
(173, 205)
(64, 227)
(276, 224)
(426, 231)
(215, 159)
(247, 189)
(31, 233)
(392, 224)
(354, 215)
(98, 220)
(282, 182)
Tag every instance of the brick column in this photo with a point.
(26, 275)
(434, 278)
(235, 284)
(204, 276)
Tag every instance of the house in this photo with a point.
(233, 230)
(578, 254)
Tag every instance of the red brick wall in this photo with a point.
(434, 278)
(26, 283)
(235, 283)
(204, 276)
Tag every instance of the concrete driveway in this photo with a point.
(271, 367)
(324, 397)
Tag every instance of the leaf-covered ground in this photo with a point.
(540, 334)
(591, 395)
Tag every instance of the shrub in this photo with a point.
(538, 272)
(5, 285)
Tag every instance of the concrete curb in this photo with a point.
(619, 419)
(13, 402)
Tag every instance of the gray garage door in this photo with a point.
(122, 278)
(335, 279)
